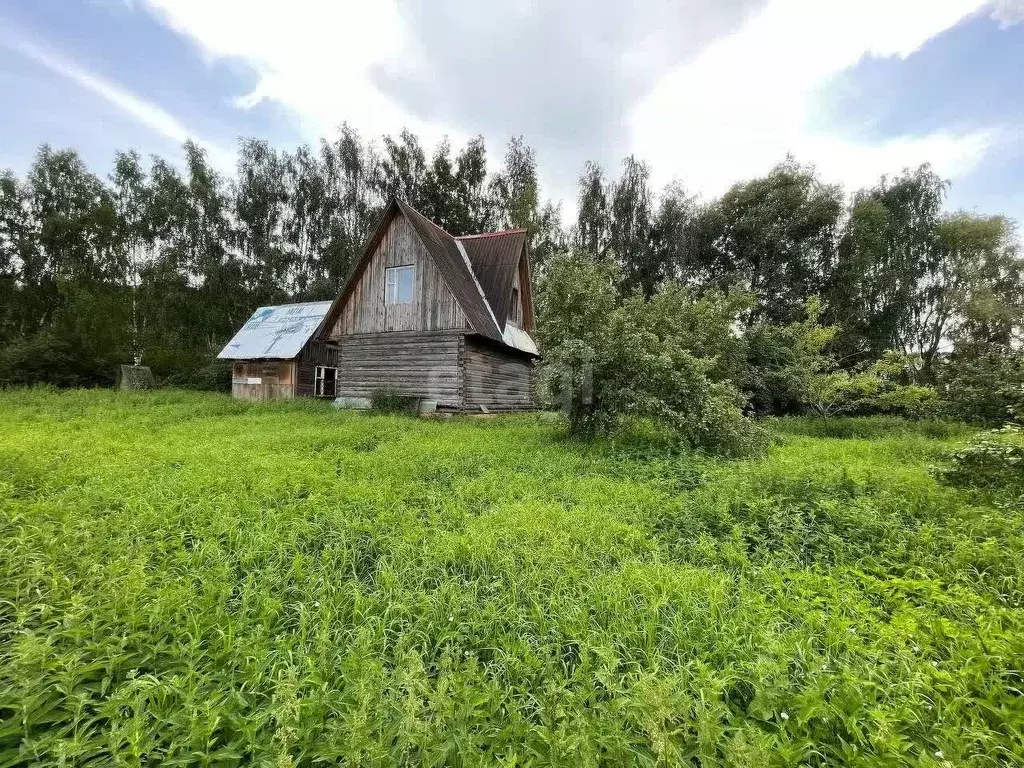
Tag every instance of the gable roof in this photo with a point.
(495, 258)
(276, 333)
(478, 269)
(455, 268)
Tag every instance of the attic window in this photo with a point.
(514, 315)
(398, 282)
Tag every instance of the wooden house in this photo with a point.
(441, 318)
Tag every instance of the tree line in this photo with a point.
(163, 263)
(785, 295)
(893, 269)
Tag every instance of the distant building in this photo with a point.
(441, 318)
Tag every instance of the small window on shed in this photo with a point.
(326, 383)
(398, 283)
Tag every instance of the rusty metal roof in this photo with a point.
(276, 333)
(495, 258)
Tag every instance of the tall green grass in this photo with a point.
(185, 580)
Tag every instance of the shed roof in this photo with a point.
(276, 333)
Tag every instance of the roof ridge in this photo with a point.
(516, 231)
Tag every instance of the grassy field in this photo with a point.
(189, 580)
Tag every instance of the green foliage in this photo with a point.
(771, 236)
(784, 363)
(214, 376)
(984, 384)
(875, 390)
(59, 359)
(608, 359)
(993, 460)
(869, 427)
(390, 401)
(179, 587)
(878, 292)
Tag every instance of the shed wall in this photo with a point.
(313, 354)
(263, 379)
(425, 364)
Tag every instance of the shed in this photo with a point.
(275, 354)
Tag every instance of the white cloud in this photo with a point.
(746, 101)
(733, 109)
(148, 114)
(313, 57)
(1008, 12)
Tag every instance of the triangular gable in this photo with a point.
(447, 255)
(454, 265)
(496, 257)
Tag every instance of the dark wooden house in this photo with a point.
(441, 318)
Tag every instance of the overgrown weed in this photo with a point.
(189, 580)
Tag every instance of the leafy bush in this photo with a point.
(61, 360)
(874, 390)
(985, 385)
(215, 376)
(993, 459)
(608, 359)
(783, 362)
(388, 400)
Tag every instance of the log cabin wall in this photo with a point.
(433, 306)
(423, 364)
(313, 354)
(263, 379)
(497, 380)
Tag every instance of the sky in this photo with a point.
(707, 92)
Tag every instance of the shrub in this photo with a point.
(214, 376)
(874, 390)
(608, 360)
(993, 460)
(783, 362)
(64, 361)
(388, 400)
(985, 386)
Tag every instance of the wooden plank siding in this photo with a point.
(263, 379)
(424, 364)
(433, 306)
(497, 380)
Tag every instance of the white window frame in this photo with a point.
(393, 284)
(320, 378)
